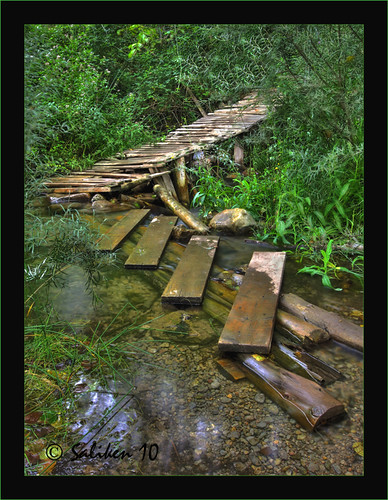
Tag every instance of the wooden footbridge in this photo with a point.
(118, 173)
(249, 327)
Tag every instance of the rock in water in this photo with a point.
(233, 220)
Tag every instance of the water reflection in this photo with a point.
(201, 422)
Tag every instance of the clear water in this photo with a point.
(169, 407)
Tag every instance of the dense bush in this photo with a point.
(93, 90)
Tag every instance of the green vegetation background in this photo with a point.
(92, 90)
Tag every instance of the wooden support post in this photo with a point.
(238, 154)
(182, 182)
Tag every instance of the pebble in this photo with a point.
(211, 418)
(260, 398)
(252, 440)
(273, 409)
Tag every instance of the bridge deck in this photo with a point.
(113, 174)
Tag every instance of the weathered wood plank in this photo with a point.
(71, 190)
(149, 249)
(250, 323)
(112, 238)
(188, 282)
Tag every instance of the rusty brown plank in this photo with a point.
(250, 323)
(188, 282)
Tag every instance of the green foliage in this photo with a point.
(74, 110)
(92, 90)
(327, 270)
(66, 241)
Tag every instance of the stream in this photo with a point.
(167, 409)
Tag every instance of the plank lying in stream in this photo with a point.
(251, 321)
(112, 238)
(188, 282)
(148, 251)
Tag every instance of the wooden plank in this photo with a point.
(165, 181)
(250, 323)
(149, 249)
(71, 190)
(112, 238)
(188, 282)
(230, 369)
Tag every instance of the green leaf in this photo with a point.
(320, 217)
(340, 209)
(326, 281)
(344, 190)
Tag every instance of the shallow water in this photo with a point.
(169, 407)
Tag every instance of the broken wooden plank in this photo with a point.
(305, 400)
(188, 282)
(250, 324)
(149, 249)
(338, 328)
(230, 369)
(165, 181)
(294, 358)
(112, 238)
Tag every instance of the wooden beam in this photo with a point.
(338, 328)
(148, 251)
(251, 321)
(188, 282)
(116, 234)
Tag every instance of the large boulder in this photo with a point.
(233, 220)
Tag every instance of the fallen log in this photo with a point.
(185, 215)
(292, 357)
(307, 402)
(305, 332)
(338, 328)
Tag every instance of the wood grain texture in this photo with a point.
(188, 282)
(149, 250)
(116, 234)
(250, 324)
